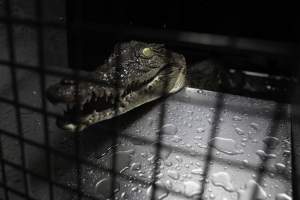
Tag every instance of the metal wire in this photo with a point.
(262, 168)
(158, 140)
(3, 171)
(40, 44)
(213, 134)
(11, 46)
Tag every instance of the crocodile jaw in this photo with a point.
(160, 86)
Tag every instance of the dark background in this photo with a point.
(271, 21)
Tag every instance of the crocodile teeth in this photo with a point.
(120, 92)
(100, 93)
(83, 102)
(112, 100)
(95, 112)
(108, 93)
(70, 127)
(88, 99)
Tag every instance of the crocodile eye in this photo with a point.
(147, 52)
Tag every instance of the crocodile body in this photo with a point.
(135, 73)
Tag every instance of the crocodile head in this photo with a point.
(134, 74)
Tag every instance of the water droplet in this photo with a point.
(179, 158)
(192, 188)
(251, 187)
(263, 155)
(200, 130)
(124, 169)
(198, 137)
(159, 176)
(254, 125)
(212, 196)
(283, 196)
(135, 166)
(286, 153)
(160, 193)
(209, 120)
(168, 184)
(173, 174)
(103, 187)
(198, 171)
(151, 159)
(245, 162)
(280, 167)
(223, 179)
(168, 163)
(169, 129)
(239, 131)
(236, 118)
(176, 139)
(123, 195)
(144, 155)
(254, 141)
(134, 189)
(226, 145)
(199, 91)
(271, 142)
(272, 175)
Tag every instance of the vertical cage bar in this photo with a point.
(77, 140)
(76, 9)
(213, 133)
(41, 65)
(115, 127)
(260, 172)
(3, 171)
(294, 121)
(78, 164)
(10, 38)
(158, 149)
(158, 145)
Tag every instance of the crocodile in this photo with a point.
(135, 73)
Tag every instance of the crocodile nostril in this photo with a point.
(67, 82)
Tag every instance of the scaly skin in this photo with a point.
(134, 74)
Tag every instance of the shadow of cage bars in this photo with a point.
(24, 192)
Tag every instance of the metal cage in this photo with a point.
(30, 149)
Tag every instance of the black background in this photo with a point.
(267, 20)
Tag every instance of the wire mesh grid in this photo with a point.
(18, 135)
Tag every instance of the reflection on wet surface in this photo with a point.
(246, 157)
